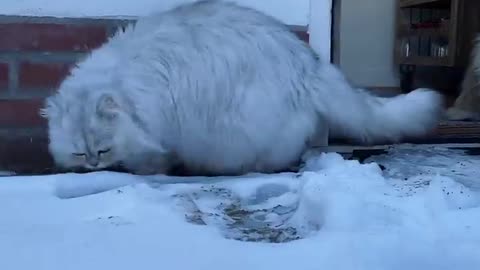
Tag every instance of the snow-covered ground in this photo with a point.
(421, 212)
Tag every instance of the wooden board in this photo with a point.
(458, 129)
(452, 134)
(412, 3)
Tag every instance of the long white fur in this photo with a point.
(223, 88)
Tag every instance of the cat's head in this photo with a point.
(90, 130)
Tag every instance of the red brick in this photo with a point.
(51, 37)
(303, 35)
(3, 75)
(21, 113)
(25, 154)
(42, 75)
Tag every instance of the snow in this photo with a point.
(290, 11)
(422, 212)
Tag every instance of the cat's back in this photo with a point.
(216, 36)
(209, 14)
(190, 30)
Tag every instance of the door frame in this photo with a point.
(323, 28)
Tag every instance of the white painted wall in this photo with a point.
(367, 35)
(320, 21)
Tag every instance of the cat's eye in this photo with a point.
(79, 154)
(101, 152)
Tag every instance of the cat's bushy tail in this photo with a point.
(360, 116)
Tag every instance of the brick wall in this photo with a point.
(35, 56)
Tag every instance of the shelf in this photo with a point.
(424, 3)
(443, 31)
(425, 61)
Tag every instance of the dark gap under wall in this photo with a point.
(444, 79)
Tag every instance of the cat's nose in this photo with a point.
(92, 161)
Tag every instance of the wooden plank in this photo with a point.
(451, 134)
(336, 19)
(351, 148)
(454, 31)
(425, 61)
(359, 152)
(459, 129)
(412, 3)
(407, 31)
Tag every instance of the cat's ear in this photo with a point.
(51, 108)
(108, 106)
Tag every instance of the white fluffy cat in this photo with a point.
(221, 89)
